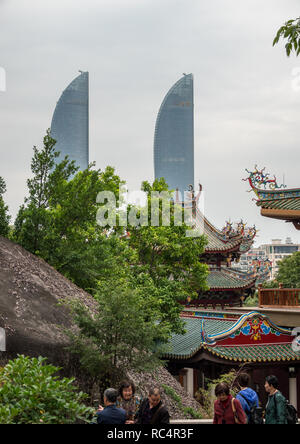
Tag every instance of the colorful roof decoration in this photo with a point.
(227, 240)
(238, 238)
(275, 201)
(251, 338)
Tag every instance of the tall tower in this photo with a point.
(174, 136)
(70, 122)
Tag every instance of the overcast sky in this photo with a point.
(246, 108)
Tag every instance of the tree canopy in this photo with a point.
(58, 222)
(289, 271)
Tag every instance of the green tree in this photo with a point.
(58, 219)
(289, 271)
(117, 337)
(33, 220)
(4, 216)
(32, 393)
(290, 32)
(167, 264)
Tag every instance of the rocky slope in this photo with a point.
(32, 313)
(31, 293)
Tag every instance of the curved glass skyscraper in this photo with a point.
(174, 136)
(70, 122)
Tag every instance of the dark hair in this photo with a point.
(125, 384)
(243, 379)
(111, 395)
(272, 380)
(154, 391)
(222, 388)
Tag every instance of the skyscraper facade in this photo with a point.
(70, 122)
(174, 136)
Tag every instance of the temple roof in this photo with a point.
(251, 338)
(279, 199)
(276, 201)
(218, 241)
(226, 278)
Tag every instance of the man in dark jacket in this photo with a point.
(276, 409)
(152, 410)
(110, 414)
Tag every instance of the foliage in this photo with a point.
(118, 337)
(289, 271)
(31, 393)
(154, 268)
(290, 31)
(206, 397)
(251, 301)
(58, 218)
(188, 411)
(168, 257)
(4, 216)
(271, 284)
(172, 393)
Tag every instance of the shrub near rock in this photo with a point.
(32, 393)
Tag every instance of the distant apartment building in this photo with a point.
(267, 257)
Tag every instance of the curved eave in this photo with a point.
(232, 249)
(217, 353)
(288, 215)
(244, 287)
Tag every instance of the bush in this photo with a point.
(187, 411)
(31, 393)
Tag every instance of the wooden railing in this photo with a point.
(278, 297)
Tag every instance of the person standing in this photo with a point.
(228, 410)
(110, 414)
(128, 400)
(152, 411)
(247, 396)
(276, 409)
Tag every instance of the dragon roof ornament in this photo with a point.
(240, 230)
(259, 178)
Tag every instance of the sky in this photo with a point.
(247, 93)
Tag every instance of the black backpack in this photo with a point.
(256, 413)
(291, 412)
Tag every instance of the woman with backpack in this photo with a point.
(228, 410)
(276, 409)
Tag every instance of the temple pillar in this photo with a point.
(293, 387)
(189, 381)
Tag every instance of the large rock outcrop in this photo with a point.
(32, 294)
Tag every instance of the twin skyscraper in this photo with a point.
(70, 122)
(173, 139)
